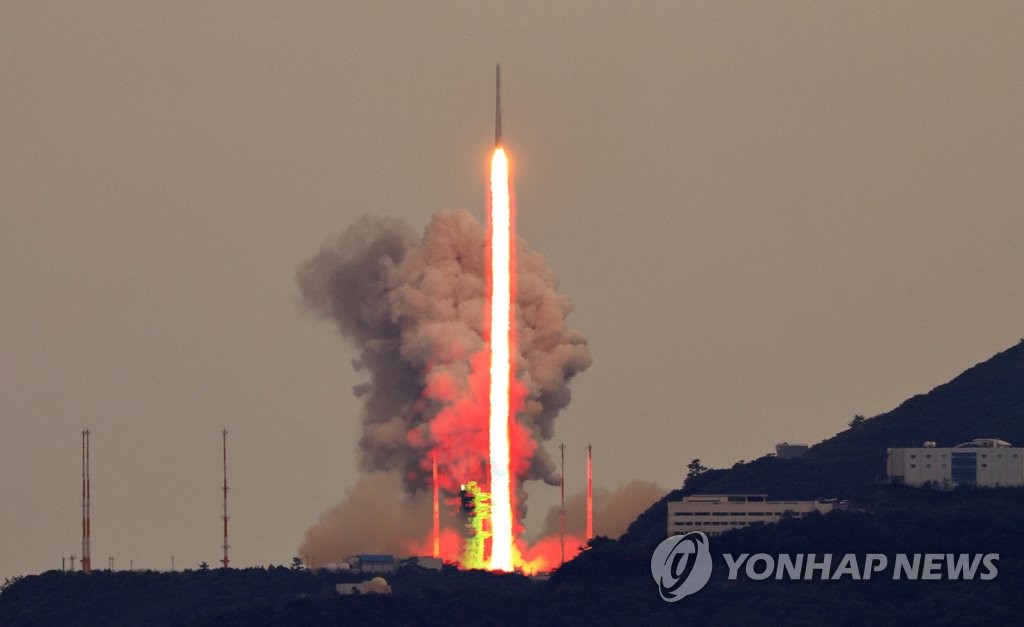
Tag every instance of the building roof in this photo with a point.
(984, 443)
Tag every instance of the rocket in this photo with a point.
(497, 109)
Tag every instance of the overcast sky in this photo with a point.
(770, 217)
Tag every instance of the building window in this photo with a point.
(965, 468)
(928, 456)
(927, 465)
(912, 456)
(984, 465)
(913, 465)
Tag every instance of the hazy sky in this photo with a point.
(770, 217)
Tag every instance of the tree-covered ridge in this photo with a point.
(987, 400)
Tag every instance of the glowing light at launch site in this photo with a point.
(501, 358)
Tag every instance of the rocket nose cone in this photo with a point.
(497, 106)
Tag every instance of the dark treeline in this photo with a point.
(610, 583)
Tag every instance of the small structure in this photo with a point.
(377, 585)
(429, 563)
(986, 462)
(785, 450)
(373, 563)
(715, 514)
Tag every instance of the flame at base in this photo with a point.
(544, 555)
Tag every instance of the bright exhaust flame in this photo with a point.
(500, 367)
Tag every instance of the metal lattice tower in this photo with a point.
(562, 483)
(225, 561)
(590, 495)
(86, 490)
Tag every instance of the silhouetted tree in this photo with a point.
(695, 469)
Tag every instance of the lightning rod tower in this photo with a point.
(590, 495)
(224, 435)
(437, 510)
(86, 532)
(562, 483)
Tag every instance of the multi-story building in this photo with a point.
(982, 462)
(716, 513)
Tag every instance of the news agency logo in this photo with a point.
(681, 565)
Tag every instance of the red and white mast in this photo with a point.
(86, 532)
(590, 496)
(224, 436)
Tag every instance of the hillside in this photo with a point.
(610, 583)
(886, 520)
(986, 400)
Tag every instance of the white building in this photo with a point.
(983, 462)
(716, 513)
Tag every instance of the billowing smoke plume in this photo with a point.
(415, 309)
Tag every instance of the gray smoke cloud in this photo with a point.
(414, 308)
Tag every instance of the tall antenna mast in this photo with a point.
(86, 556)
(226, 545)
(590, 495)
(562, 482)
(437, 512)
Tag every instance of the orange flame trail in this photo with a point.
(501, 358)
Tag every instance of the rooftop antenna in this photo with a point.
(86, 557)
(562, 483)
(225, 561)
